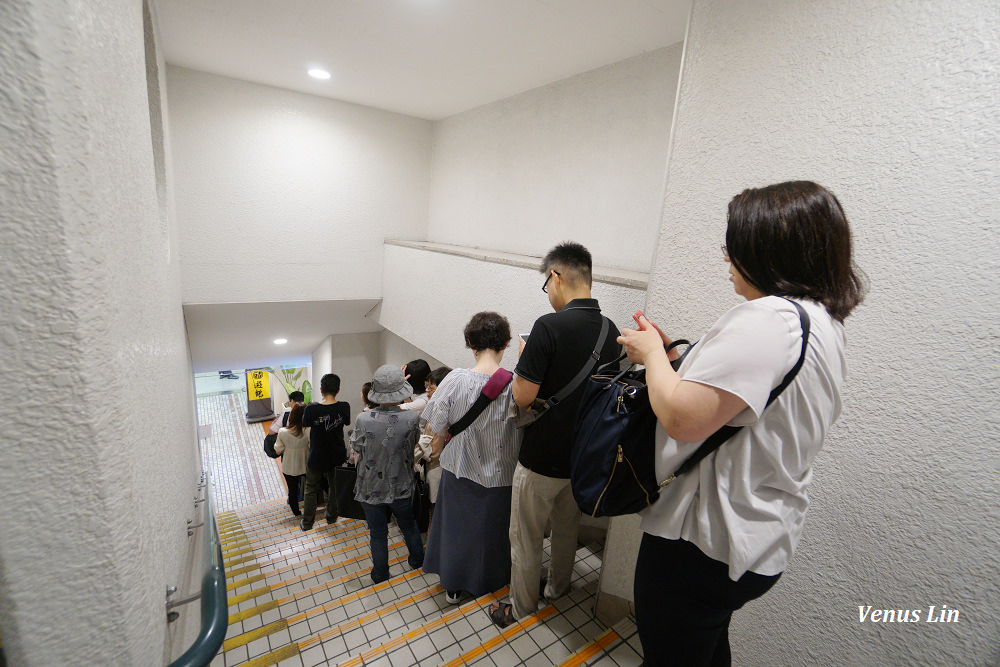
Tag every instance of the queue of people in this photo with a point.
(717, 537)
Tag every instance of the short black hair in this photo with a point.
(297, 396)
(793, 239)
(417, 370)
(572, 261)
(487, 331)
(437, 375)
(329, 384)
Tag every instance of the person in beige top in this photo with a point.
(293, 445)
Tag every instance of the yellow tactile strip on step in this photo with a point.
(243, 597)
(426, 628)
(470, 656)
(276, 656)
(590, 650)
(358, 621)
(233, 585)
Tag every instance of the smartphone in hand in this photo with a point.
(523, 337)
(636, 317)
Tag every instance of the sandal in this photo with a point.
(502, 614)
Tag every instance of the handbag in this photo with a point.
(345, 477)
(523, 416)
(421, 503)
(612, 463)
(269, 441)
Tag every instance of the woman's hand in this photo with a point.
(640, 343)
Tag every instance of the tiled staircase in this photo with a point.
(304, 599)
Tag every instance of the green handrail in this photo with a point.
(214, 602)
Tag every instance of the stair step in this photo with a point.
(302, 599)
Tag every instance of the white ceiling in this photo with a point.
(425, 58)
(241, 335)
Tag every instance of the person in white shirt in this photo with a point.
(416, 374)
(722, 534)
(293, 445)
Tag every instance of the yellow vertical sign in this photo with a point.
(258, 386)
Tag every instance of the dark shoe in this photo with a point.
(295, 509)
(502, 614)
(333, 520)
(453, 597)
(305, 526)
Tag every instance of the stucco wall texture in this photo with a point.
(581, 158)
(320, 183)
(92, 338)
(892, 105)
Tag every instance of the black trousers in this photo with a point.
(293, 489)
(684, 601)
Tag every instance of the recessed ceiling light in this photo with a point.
(317, 73)
(280, 341)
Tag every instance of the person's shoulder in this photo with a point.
(409, 416)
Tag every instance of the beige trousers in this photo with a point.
(537, 499)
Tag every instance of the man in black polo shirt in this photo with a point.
(560, 344)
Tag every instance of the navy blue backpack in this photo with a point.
(612, 464)
(612, 471)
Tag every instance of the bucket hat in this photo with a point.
(389, 385)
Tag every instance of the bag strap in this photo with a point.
(716, 440)
(494, 387)
(588, 366)
(675, 363)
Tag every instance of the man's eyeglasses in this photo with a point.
(545, 285)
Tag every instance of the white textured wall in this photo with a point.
(354, 358)
(893, 106)
(395, 350)
(431, 312)
(282, 195)
(93, 529)
(582, 158)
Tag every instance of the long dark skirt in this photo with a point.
(468, 544)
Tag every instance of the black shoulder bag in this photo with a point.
(524, 416)
(613, 461)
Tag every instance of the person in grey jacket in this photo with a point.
(383, 441)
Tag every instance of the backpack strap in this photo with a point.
(494, 387)
(716, 440)
(588, 366)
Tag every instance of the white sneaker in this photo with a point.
(453, 597)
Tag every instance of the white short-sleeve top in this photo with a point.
(745, 504)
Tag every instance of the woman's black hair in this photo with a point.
(418, 369)
(793, 239)
(487, 331)
(437, 375)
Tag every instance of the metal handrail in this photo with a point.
(214, 603)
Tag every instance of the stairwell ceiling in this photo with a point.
(425, 58)
(240, 335)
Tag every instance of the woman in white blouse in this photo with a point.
(721, 535)
(468, 544)
(293, 445)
